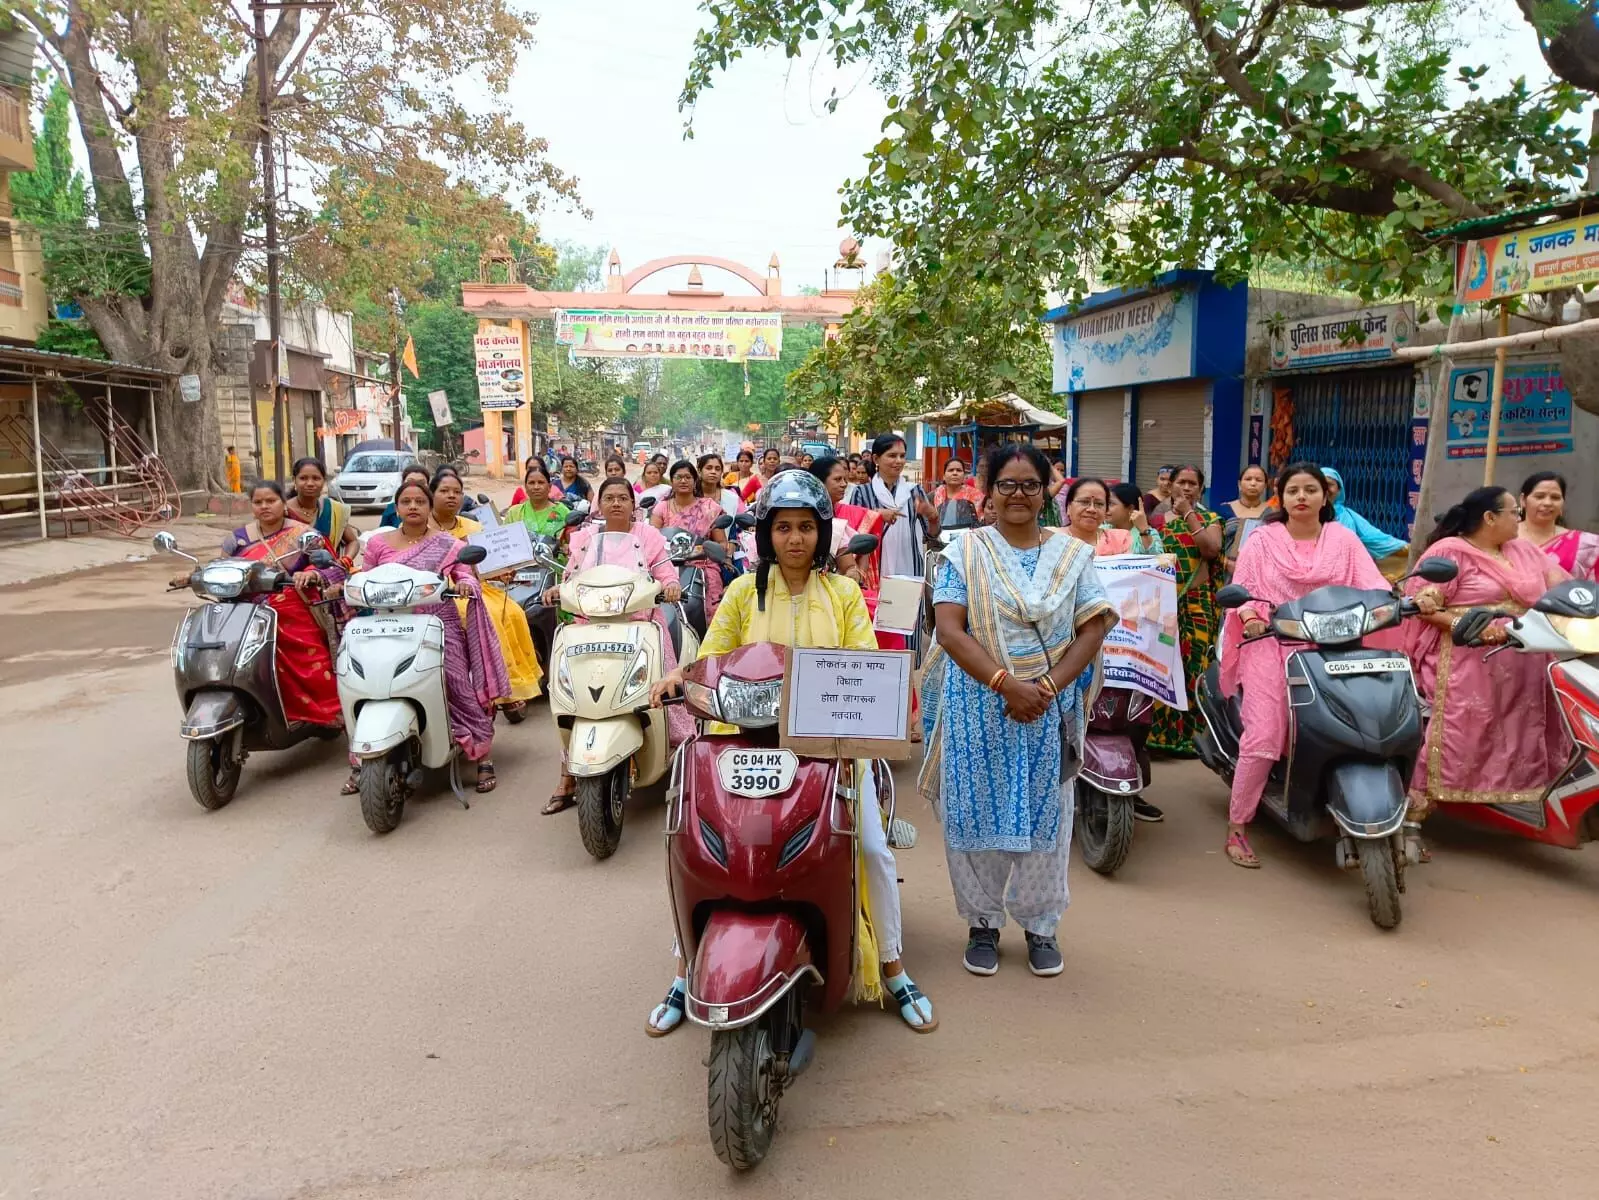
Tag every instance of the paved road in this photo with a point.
(268, 1001)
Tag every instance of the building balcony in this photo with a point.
(16, 132)
(24, 306)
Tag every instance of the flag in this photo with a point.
(409, 357)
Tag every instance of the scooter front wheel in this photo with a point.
(742, 1095)
(1104, 828)
(382, 785)
(601, 808)
(213, 772)
(1382, 882)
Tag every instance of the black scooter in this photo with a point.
(1354, 729)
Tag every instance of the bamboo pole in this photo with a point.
(38, 462)
(1496, 404)
(1530, 337)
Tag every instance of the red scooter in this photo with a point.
(1115, 771)
(1565, 623)
(761, 858)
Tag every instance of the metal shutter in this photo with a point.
(1173, 420)
(1099, 433)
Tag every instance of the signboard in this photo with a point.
(1420, 426)
(500, 370)
(847, 703)
(899, 605)
(508, 546)
(348, 420)
(1564, 254)
(728, 337)
(1364, 335)
(1142, 651)
(189, 388)
(440, 403)
(1142, 341)
(1534, 418)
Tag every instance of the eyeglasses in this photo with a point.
(1515, 510)
(1027, 487)
(1080, 503)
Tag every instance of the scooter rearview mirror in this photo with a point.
(309, 540)
(714, 552)
(1233, 596)
(1436, 570)
(575, 518)
(722, 522)
(164, 542)
(861, 543)
(745, 520)
(321, 559)
(483, 498)
(471, 555)
(647, 503)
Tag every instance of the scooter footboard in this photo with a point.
(1366, 799)
(745, 963)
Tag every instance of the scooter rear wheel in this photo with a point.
(1104, 828)
(382, 795)
(1382, 883)
(742, 1095)
(213, 772)
(601, 808)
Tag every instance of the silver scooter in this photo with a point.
(224, 663)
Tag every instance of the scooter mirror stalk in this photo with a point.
(1233, 596)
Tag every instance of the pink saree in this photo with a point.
(1495, 736)
(474, 672)
(1275, 569)
(1576, 551)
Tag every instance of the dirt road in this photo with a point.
(268, 1001)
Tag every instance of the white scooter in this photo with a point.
(604, 669)
(391, 685)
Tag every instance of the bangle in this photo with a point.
(1048, 684)
(997, 679)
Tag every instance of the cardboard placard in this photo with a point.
(899, 605)
(847, 703)
(486, 516)
(508, 546)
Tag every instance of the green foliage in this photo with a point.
(70, 337)
(689, 396)
(906, 350)
(1032, 144)
(443, 331)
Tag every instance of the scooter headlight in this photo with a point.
(372, 593)
(256, 635)
(1326, 629)
(635, 681)
(601, 602)
(750, 705)
(222, 581)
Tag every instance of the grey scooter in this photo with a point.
(223, 660)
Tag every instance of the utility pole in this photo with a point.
(394, 366)
(263, 83)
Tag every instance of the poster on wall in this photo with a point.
(1534, 417)
(1142, 341)
(500, 370)
(1420, 424)
(1142, 651)
(1562, 254)
(730, 337)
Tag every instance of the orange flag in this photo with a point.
(409, 357)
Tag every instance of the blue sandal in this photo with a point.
(668, 1014)
(914, 1008)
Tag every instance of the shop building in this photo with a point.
(1155, 376)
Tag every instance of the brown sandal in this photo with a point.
(352, 785)
(486, 779)
(1240, 853)
(559, 803)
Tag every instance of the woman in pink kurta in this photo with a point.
(621, 541)
(1300, 548)
(686, 509)
(1495, 736)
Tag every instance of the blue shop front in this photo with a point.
(1155, 376)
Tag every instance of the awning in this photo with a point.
(999, 411)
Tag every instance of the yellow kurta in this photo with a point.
(510, 625)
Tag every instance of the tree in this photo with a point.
(1028, 142)
(165, 100)
(896, 354)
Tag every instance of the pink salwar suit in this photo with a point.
(1275, 568)
(642, 549)
(1495, 736)
(474, 671)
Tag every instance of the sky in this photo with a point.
(763, 170)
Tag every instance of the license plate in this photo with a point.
(756, 772)
(1365, 666)
(388, 629)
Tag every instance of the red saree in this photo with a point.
(304, 661)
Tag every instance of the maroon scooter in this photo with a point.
(1115, 772)
(761, 856)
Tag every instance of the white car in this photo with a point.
(370, 478)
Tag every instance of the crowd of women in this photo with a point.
(1019, 617)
